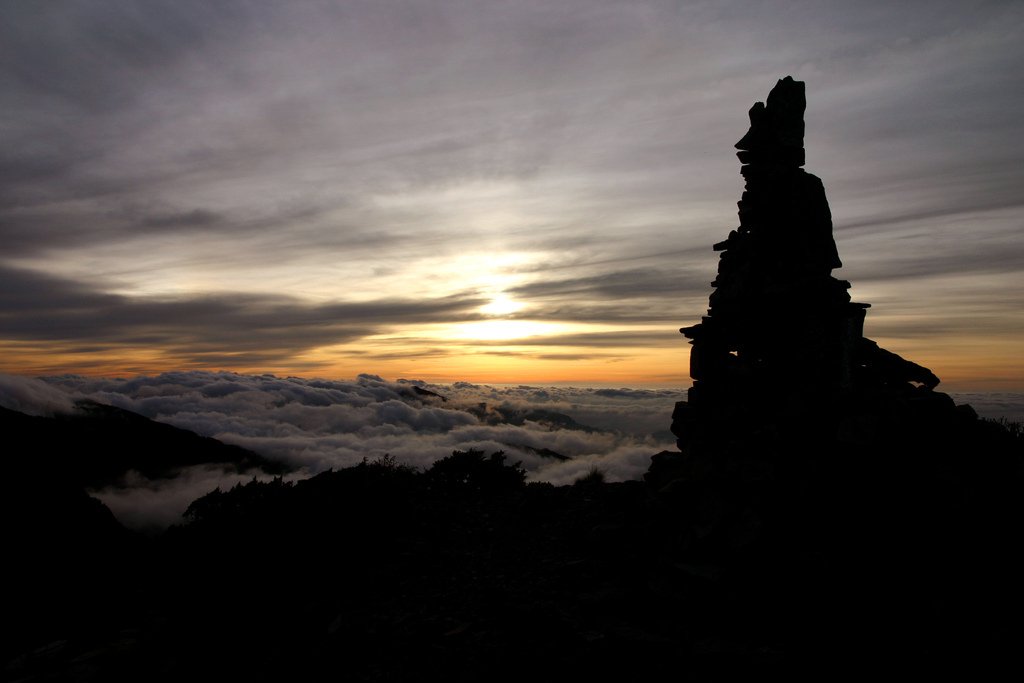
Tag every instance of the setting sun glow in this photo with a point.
(501, 305)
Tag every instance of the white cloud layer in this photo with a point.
(33, 396)
(313, 425)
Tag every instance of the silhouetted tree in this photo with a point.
(471, 472)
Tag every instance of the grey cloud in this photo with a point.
(975, 258)
(620, 465)
(285, 131)
(412, 352)
(620, 338)
(639, 283)
(152, 506)
(965, 321)
(369, 407)
(90, 53)
(316, 424)
(75, 80)
(208, 328)
(646, 312)
(578, 356)
(632, 394)
(886, 223)
(936, 247)
(33, 396)
(97, 221)
(688, 257)
(24, 292)
(668, 290)
(199, 219)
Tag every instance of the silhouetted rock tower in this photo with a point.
(781, 352)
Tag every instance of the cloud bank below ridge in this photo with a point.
(313, 425)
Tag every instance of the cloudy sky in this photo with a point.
(511, 191)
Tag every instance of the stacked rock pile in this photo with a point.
(782, 341)
(826, 501)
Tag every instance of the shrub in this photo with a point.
(470, 471)
(593, 477)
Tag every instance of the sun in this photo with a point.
(501, 305)
(502, 330)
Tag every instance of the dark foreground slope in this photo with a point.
(464, 572)
(98, 444)
(68, 561)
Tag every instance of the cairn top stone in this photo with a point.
(776, 134)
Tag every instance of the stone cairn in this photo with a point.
(780, 359)
(824, 495)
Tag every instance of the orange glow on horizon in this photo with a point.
(963, 365)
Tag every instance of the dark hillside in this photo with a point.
(70, 563)
(98, 444)
(464, 572)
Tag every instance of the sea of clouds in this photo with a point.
(312, 425)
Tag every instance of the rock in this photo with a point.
(782, 343)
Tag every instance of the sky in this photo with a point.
(503, 192)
